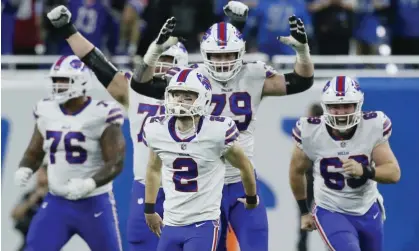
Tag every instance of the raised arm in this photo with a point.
(115, 82)
(303, 76)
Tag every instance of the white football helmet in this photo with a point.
(223, 38)
(71, 78)
(193, 81)
(180, 58)
(342, 90)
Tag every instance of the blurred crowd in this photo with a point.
(126, 27)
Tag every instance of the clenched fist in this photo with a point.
(59, 16)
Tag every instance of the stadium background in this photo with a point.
(391, 84)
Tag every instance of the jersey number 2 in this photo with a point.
(187, 170)
(240, 105)
(73, 154)
(336, 180)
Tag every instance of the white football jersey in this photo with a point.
(333, 189)
(238, 99)
(72, 142)
(140, 108)
(193, 167)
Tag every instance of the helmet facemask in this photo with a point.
(164, 64)
(63, 88)
(181, 102)
(223, 66)
(342, 122)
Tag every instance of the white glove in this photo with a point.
(162, 43)
(22, 176)
(78, 188)
(59, 16)
(236, 10)
(297, 39)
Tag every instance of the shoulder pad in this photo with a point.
(111, 111)
(261, 68)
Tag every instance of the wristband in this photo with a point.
(67, 30)
(149, 208)
(302, 204)
(251, 200)
(368, 172)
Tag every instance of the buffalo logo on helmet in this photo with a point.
(356, 85)
(204, 81)
(326, 86)
(76, 64)
(206, 35)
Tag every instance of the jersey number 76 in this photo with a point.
(73, 154)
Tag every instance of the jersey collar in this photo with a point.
(172, 130)
(88, 101)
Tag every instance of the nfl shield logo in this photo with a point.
(183, 146)
(343, 144)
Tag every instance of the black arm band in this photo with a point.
(368, 172)
(251, 200)
(149, 208)
(154, 88)
(297, 83)
(302, 204)
(66, 31)
(100, 65)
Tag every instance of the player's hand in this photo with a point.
(78, 188)
(298, 37)
(307, 222)
(59, 16)
(165, 38)
(352, 167)
(22, 176)
(236, 10)
(248, 206)
(154, 222)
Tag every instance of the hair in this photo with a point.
(315, 110)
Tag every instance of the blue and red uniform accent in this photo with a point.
(340, 86)
(59, 62)
(222, 34)
(183, 76)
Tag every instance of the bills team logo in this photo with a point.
(326, 86)
(204, 80)
(77, 64)
(206, 35)
(356, 85)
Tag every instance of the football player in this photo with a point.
(139, 108)
(187, 152)
(84, 144)
(350, 153)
